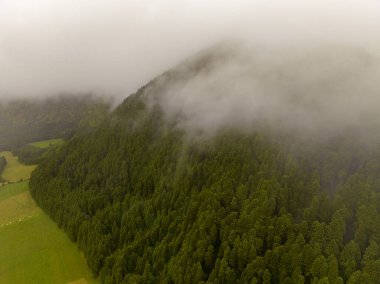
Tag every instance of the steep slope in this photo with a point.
(150, 202)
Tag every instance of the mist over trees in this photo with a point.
(28, 120)
(319, 91)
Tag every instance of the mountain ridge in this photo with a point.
(148, 203)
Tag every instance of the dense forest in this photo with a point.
(30, 155)
(3, 163)
(147, 204)
(27, 120)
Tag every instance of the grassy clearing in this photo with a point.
(79, 281)
(47, 143)
(36, 251)
(32, 248)
(17, 208)
(12, 189)
(15, 171)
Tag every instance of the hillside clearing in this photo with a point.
(15, 171)
(47, 143)
(17, 208)
(36, 251)
(12, 189)
(32, 248)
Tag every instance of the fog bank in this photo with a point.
(325, 89)
(112, 47)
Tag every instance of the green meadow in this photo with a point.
(13, 189)
(14, 170)
(32, 248)
(47, 143)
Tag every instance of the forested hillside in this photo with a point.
(27, 120)
(161, 193)
(148, 204)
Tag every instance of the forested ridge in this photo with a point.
(148, 204)
(28, 120)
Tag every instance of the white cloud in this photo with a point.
(113, 46)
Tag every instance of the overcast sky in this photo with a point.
(113, 47)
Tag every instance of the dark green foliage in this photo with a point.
(3, 163)
(30, 155)
(33, 155)
(23, 121)
(146, 204)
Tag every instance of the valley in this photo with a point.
(181, 142)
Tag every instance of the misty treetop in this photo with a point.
(147, 203)
(320, 90)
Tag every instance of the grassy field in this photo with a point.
(17, 208)
(47, 143)
(36, 251)
(13, 189)
(32, 248)
(14, 170)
